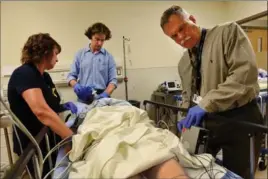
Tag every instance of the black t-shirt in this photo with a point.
(23, 78)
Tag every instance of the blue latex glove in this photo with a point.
(70, 106)
(103, 95)
(77, 88)
(262, 73)
(194, 118)
(83, 92)
(178, 97)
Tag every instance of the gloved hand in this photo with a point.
(70, 106)
(103, 95)
(262, 73)
(194, 118)
(83, 92)
(77, 88)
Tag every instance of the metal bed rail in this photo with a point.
(30, 152)
(251, 128)
(161, 114)
(17, 170)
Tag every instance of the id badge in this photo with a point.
(196, 99)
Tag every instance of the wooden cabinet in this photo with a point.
(258, 38)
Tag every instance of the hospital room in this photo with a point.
(134, 89)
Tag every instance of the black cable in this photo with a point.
(226, 173)
(215, 164)
(202, 166)
(211, 167)
(210, 163)
(219, 171)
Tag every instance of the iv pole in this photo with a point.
(125, 66)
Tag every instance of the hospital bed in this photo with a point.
(62, 160)
(62, 163)
(262, 100)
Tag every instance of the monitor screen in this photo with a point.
(171, 84)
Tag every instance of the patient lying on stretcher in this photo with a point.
(117, 140)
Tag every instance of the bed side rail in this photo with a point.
(157, 105)
(17, 169)
(250, 126)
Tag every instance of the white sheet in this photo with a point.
(125, 143)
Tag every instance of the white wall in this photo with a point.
(67, 21)
(151, 52)
(237, 10)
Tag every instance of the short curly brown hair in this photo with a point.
(37, 47)
(98, 28)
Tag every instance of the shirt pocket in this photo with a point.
(86, 65)
(102, 64)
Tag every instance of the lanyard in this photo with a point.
(197, 64)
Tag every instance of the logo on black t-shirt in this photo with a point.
(54, 92)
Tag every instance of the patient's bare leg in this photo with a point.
(170, 169)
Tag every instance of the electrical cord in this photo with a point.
(65, 171)
(226, 173)
(57, 166)
(210, 165)
(208, 170)
(210, 161)
(203, 166)
(17, 122)
(61, 143)
(166, 113)
(87, 148)
(162, 121)
(219, 171)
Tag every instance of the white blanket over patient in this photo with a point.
(124, 142)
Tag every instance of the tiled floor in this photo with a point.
(262, 174)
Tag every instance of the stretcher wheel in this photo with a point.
(262, 165)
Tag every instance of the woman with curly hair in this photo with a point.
(33, 97)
